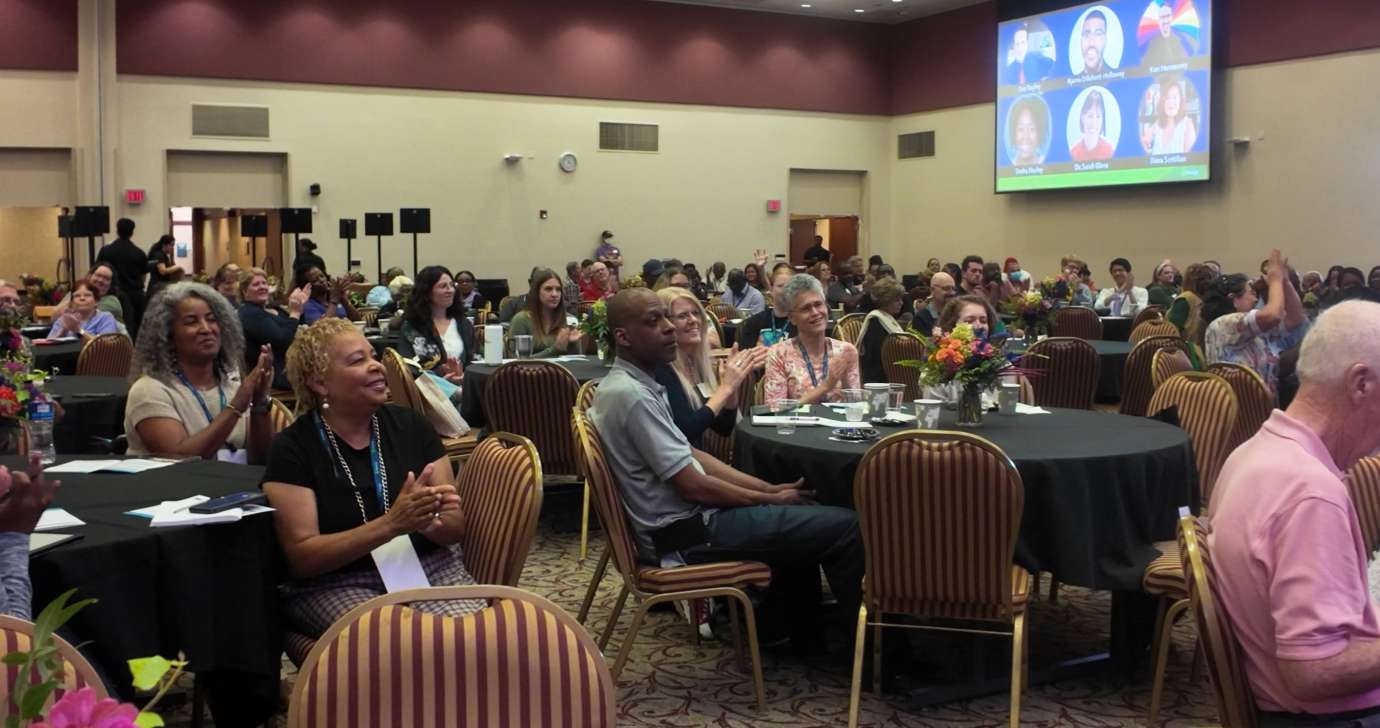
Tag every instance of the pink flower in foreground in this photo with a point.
(80, 709)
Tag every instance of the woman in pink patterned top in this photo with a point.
(809, 367)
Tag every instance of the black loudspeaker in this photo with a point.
(65, 227)
(378, 223)
(349, 228)
(254, 226)
(295, 219)
(414, 220)
(492, 289)
(90, 221)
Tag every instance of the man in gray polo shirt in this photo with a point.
(688, 507)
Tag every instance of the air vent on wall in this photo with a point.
(615, 136)
(918, 144)
(230, 121)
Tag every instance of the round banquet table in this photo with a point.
(209, 591)
(92, 407)
(1112, 371)
(60, 358)
(477, 377)
(1116, 328)
(1100, 488)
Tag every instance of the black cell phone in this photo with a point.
(226, 502)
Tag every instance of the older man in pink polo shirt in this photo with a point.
(1287, 549)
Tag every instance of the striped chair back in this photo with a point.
(43, 314)
(521, 661)
(532, 399)
(1168, 362)
(723, 311)
(720, 446)
(1064, 372)
(369, 315)
(939, 513)
(747, 392)
(1147, 314)
(280, 415)
(1137, 386)
(849, 328)
(1363, 480)
(500, 487)
(712, 322)
(1079, 322)
(607, 501)
(503, 303)
(900, 347)
(1146, 329)
(16, 635)
(584, 398)
(1252, 397)
(401, 389)
(481, 318)
(1207, 412)
(107, 355)
(582, 309)
(1235, 703)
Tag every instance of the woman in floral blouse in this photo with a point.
(1240, 333)
(809, 367)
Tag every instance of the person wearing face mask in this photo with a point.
(266, 323)
(553, 332)
(810, 367)
(740, 295)
(1239, 333)
(1126, 298)
(82, 318)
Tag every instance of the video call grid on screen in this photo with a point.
(1105, 94)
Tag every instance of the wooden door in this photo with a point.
(843, 239)
(802, 238)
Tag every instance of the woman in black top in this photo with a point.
(353, 475)
(264, 322)
(772, 324)
(880, 323)
(163, 268)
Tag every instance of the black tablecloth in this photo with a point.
(62, 357)
(92, 407)
(1099, 488)
(1116, 328)
(477, 377)
(208, 591)
(1113, 369)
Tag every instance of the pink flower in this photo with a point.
(80, 709)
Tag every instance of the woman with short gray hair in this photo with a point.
(809, 367)
(188, 398)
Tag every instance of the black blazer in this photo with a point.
(424, 345)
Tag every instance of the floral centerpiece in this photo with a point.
(968, 361)
(41, 291)
(595, 326)
(20, 383)
(1032, 309)
(633, 281)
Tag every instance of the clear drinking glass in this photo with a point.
(896, 398)
(522, 345)
(856, 399)
(785, 409)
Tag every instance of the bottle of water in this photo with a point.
(41, 430)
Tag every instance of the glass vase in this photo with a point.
(970, 406)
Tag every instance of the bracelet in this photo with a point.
(231, 406)
(259, 408)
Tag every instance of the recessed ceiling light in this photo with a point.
(858, 10)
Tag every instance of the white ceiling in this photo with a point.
(874, 11)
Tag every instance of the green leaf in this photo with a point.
(148, 720)
(148, 671)
(15, 658)
(34, 699)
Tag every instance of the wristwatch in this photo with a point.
(259, 408)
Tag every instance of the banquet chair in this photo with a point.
(107, 355)
(967, 495)
(533, 399)
(1147, 314)
(900, 347)
(369, 315)
(713, 322)
(1230, 688)
(1363, 480)
(1168, 362)
(279, 414)
(584, 399)
(723, 311)
(403, 392)
(1064, 372)
(1138, 387)
(534, 655)
(1252, 396)
(1207, 410)
(43, 314)
(849, 328)
(503, 303)
(16, 635)
(650, 585)
(1145, 330)
(1078, 322)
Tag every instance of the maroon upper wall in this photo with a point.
(950, 60)
(38, 35)
(608, 49)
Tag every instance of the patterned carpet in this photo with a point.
(671, 681)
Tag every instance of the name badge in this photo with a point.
(399, 566)
(238, 456)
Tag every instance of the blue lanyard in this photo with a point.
(810, 367)
(204, 409)
(375, 462)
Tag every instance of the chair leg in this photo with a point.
(877, 657)
(737, 635)
(594, 585)
(1018, 670)
(1053, 589)
(1197, 668)
(1162, 640)
(855, 691)
(613, 618)
(630, 637)
(584, 524)
(750, 616)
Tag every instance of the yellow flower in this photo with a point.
(963, 333)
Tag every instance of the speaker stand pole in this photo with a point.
(349, 257)
(71, 261)
(91, 251)
(380, 256)
(254, 250)
(414, 257)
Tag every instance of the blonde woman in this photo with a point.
(700, 397)
(352, 475)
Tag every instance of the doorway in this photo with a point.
(209, 194)
(828, 205)
(839, 235)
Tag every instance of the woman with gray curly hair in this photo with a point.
(809, 367)
(188, 398)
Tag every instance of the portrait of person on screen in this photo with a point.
(1175, 127)
(1090, 126)
(1168, 36)
(1098, 38)
(1028, 131)
(1030, 57)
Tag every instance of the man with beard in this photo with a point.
(1094, 43)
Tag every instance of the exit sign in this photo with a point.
(134, 197)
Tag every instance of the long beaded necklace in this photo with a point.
(380, 470)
